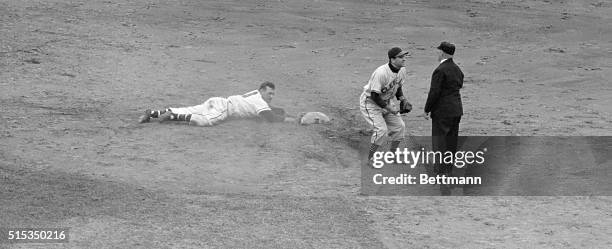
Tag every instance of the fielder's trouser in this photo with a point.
(390, 125)
(211, 112)
(444, 136)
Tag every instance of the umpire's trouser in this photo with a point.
(444, 135)
(389, 124)
(209, 113)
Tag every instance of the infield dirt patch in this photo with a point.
(75, 76)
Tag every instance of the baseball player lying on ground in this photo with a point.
(254, 104)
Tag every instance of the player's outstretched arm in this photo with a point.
(290, 120)
(274, 115)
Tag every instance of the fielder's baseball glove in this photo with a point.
(279, 114)
(405, 107)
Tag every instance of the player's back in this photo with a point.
(247, 105)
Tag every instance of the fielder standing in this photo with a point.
(375, 101)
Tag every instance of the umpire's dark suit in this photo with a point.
(444, 104)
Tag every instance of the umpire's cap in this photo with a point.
(447, 47)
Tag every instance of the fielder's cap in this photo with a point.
(447, 47)
(394, 52)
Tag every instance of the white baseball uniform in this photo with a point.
(384, 82)
(217, 109)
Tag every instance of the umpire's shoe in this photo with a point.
(146, 117)
(445, 190)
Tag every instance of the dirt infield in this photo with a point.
(75, 76)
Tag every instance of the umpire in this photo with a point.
(444, 106)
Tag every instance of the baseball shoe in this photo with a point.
(146, 117)
(445, 189)
(370, 162)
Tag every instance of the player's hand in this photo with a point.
(291, 120)
(425, 115)
(393, 109)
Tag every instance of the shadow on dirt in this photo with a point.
(31, 197)
(347, 127)
(38, 198)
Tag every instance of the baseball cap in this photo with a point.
(394, 52)
(447, 47)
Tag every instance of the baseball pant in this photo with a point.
(209, 113)
(390, 125)
(444, 136)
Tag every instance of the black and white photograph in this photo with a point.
(379, 124)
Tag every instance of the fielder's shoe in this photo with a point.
(370, 162)
(146, 117)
